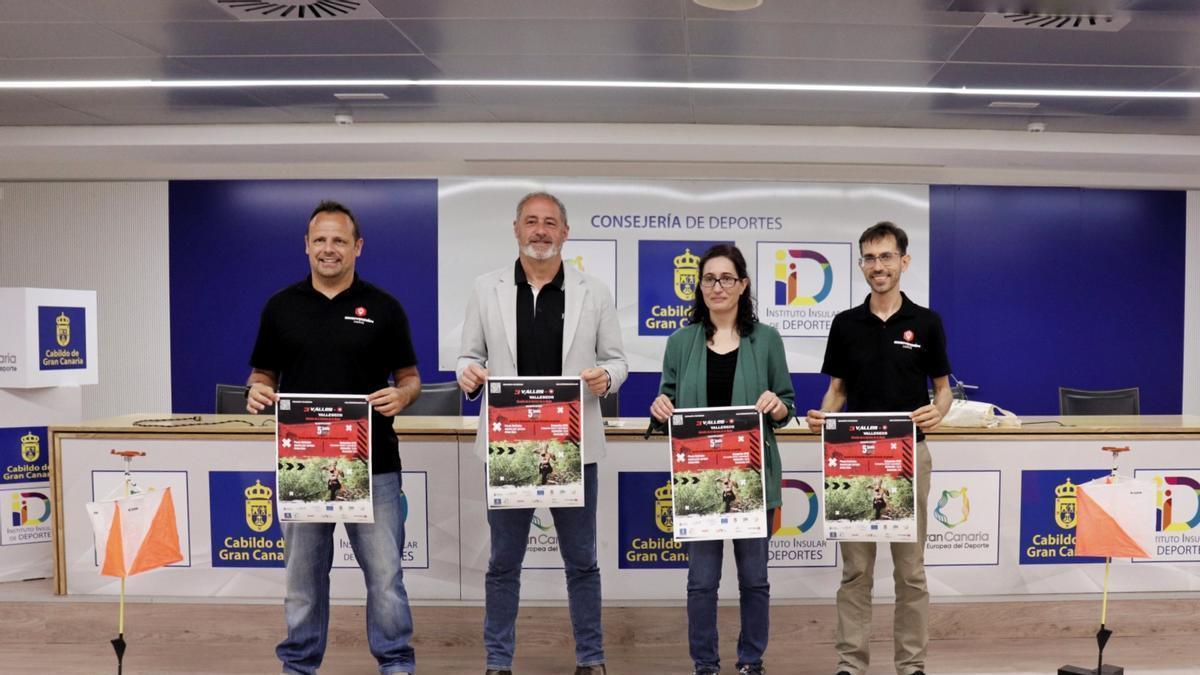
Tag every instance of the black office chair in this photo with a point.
(439, 398)
(958, 389)
(610, 406)
(1110, 402)
(231, 400)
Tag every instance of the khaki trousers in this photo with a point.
(911, 631)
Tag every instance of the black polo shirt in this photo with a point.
(539, 325)
(348, 344)
(886, 365)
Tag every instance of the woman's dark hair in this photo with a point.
(746, 318)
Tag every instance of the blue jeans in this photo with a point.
(754, 594)
(379, 548)
(576, 529)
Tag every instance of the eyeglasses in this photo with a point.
(727, 281)
(888, 259)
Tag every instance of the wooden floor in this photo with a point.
(57, 636)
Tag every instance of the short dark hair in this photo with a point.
(746, 318)
(543, 195)
(882, 230)
(330, 206)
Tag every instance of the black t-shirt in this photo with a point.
(349, 344)
(721, 368)
(886, 365)
(539, 325)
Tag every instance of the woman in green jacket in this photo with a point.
(726, 357)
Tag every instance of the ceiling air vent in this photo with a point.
(297, 10)
(1095, 22)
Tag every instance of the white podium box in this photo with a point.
(27, 512)
(47, 337)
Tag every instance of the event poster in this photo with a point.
(323, 453)
(870, 477)
(535, 442)
(716, 473)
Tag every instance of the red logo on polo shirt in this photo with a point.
(908, 336)
(362, 311)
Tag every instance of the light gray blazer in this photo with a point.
(591, 337)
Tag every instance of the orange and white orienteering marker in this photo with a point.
(1115, 518)
(135, 533)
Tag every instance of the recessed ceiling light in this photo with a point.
(729, 5)
(1018, 105)
(361, 96)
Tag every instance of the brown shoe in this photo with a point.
(591, 670)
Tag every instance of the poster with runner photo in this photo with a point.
(534, 441)
(716, 473)
(323, 458)
(870, 477)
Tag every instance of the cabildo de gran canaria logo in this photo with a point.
(62, 338)
(242, 522)
(645, 522)
(664, 514)
(21, 455)
(62, 333)
(668, 280)
(1064, 505)
(31, 447)
(687, 275)
(1048, 515)
(803, 285)
(259, 510)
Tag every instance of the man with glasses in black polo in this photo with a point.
(880, 357)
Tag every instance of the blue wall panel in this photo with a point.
(1038, 287)
(1048, 287)
(234, 243)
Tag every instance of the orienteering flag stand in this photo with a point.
(1122, 546)
(134, 533)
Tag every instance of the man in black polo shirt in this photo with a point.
(543, 317)
(880, 357)
(336, 334)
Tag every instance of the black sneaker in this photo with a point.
(591, 670)
(498, 672)
(752, 670)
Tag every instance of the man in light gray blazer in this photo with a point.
(541, 317)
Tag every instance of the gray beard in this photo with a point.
(531, 252)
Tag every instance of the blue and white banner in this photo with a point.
(800, 241)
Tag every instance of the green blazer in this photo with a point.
(761, 366)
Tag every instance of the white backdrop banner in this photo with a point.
(645, 238)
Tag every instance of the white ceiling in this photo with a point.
(872, 42)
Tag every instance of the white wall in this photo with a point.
(111, 238)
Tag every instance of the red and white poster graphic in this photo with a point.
(717, 473)
(870, 477)
(323, 458)
(535, 442)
